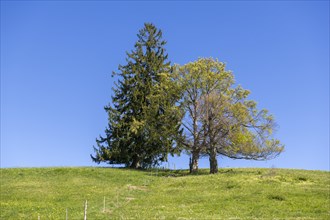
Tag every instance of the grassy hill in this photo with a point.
(163, 194)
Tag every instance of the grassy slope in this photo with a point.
(233, 193)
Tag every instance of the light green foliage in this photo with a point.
(220, 118)
(164, 194)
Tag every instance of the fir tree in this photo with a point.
(144, 120)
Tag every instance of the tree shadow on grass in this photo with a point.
(162, 172)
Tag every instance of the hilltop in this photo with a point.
(164, 194)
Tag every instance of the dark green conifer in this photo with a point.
(144, 121)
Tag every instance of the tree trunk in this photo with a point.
(194, 162)
(135, 163)
(213, 161)
(195, 153)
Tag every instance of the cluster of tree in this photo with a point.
(159, 110)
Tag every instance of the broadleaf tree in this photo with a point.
(144, 120)
(220, 120)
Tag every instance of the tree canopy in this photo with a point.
(220, 120)
(144, 120)
(158, 109)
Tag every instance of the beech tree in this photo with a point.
(144, 120)
(220, 120)
(191, 80)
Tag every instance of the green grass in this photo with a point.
(129, 194)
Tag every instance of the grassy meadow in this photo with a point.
(53, 193)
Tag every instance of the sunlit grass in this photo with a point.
(163, 194)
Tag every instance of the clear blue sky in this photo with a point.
(57, 58)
